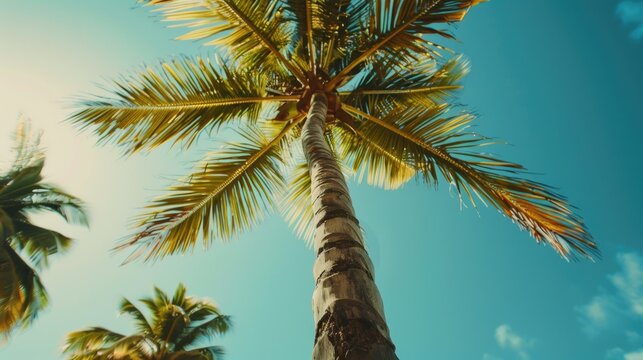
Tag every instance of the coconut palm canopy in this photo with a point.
(388, 80)
(25, 248)
(177, 328)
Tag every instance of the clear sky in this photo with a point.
(559, 80)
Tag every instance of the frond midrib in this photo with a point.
(400, 91)
(201, 104)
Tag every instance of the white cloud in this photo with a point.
(614, 354)
(629, 282)
(596, 310)
(598, 314)
(631, 13)
(620, 354)
(638, 355)
(508, 339)
(620, 306)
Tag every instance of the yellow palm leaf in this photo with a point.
(175, 103)
(382, 168)
(397, 29)
(437, 142)
(227, 193)
(252, 30)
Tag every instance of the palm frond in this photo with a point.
(102, 344)
(253, 31)
(201, 310)
(21, 184)
(225, 196)
(397, 29)
(425, 84)
(170, 322)
(381, 167)
(38, 243)
(204, 331)
(22, 295)
(142, 324)
(11, 299)
(48, 198)
(90, 339)
(326, 27)
(177, 103)
(179, 296)
(204, 353)
(26, 148)
(301, 14)
(435, 141)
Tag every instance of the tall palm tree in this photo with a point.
(25, 247)
(174, 330)
(313, 84)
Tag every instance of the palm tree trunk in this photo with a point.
(347, 307)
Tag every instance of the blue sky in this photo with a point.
(560, 81)
(631, 12)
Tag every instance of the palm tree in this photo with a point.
(177, 326)
(314, 85)
(25, 247)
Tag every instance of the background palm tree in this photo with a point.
(24, 246)
(313, 84)
(176, 330)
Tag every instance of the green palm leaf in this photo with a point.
(227, 194)
(397, 27)
(204, 331)
(48, 198)
(38, 243)
(326, 27)
(176, 103)
(142, 324)
(205, 353)
(252, 30)
(90, 339)
(435, 142)
(366, 158)
(11, 296)
(423, 84)
(22, 295)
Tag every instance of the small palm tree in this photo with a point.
(174, 330)
(25, 247)
(313, 84)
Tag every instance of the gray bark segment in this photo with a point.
(347, 307)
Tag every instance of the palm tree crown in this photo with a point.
(175, 330)
(389, 118)
(25, 247)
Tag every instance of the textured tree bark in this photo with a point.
(347, 307)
